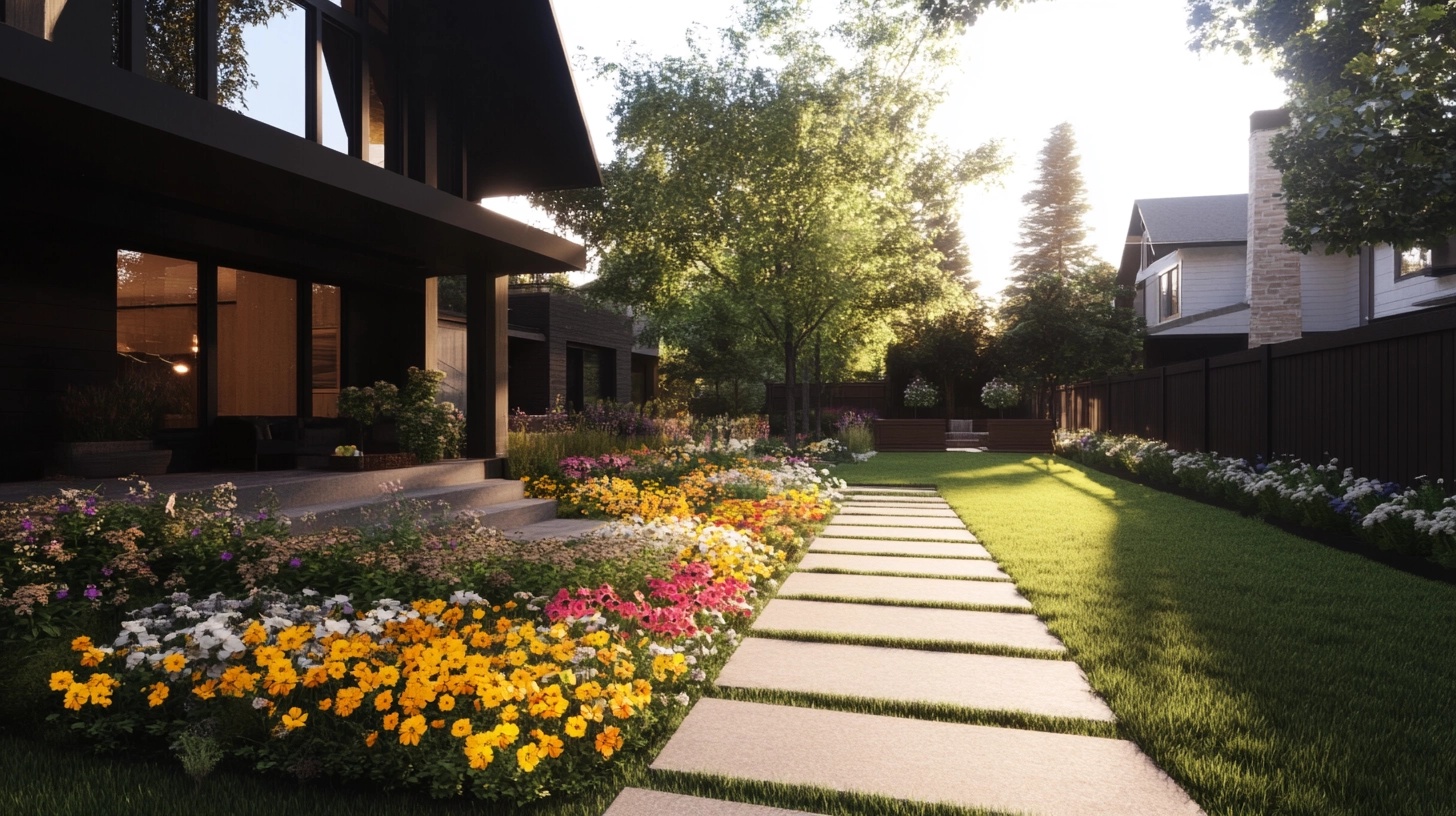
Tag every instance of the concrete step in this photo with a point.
(495, 502)
(300, 488)
(568, 528)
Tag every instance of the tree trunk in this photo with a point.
(790, 382)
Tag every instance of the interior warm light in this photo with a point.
(180, 368)
(194, 344)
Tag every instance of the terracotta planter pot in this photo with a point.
(909, 435)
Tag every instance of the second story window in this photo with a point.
(262, 64)
(1168, 294)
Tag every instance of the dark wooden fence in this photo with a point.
(1380, 398)
(861, 396)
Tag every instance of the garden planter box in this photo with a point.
(102, 460)
(373, 461)
(1020, 435)
(909, 435)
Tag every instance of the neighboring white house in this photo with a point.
(1211, 275)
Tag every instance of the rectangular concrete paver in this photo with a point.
(895, 588)
(1014, 629)
(921, 534)
(980, 569)
(886, 547)
(926, 499)
(870, 520)
(912, 491)
(1053, 688)
(866, 509)
(966, 765)
(640, 802)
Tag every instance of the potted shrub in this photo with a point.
(419, 427)
(108, 428)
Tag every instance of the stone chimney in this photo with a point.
(1272, 270)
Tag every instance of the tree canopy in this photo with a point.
(1370, 154)
(769, 171)
(1060, 321)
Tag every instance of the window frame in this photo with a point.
(1170, 289)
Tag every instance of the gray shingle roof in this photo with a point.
(1196, 219)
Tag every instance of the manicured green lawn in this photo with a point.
(1266, 673)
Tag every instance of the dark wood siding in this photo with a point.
(1380, 399)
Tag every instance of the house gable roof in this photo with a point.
(1166, 224)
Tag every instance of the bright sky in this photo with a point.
(1151, 118)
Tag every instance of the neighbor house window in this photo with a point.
(1412, 261)
(1168, 286)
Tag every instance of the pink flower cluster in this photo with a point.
(690, 590)
(585, 467)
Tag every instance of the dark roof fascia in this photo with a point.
(525, 128)
(93, 113)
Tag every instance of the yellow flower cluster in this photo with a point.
(497, 676)
(623, 498)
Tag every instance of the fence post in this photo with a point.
(1163, 403)
(1268, 359)
(1207, 412)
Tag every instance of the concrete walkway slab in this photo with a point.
(906, 565)
(965, 765)
(866, 509)
(885, 547)
(894, 588)
(1013, 629)
(1053, 688)
(926, 499)
(872, 520)
(861, 531)
(640, 802)
(890, 489)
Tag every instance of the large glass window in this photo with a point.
(262, 61)
(156, 328)
(338, 84)
(257, 344)
(1168, 286)
(325, 350)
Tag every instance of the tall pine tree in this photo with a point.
(1060, 322)
(1053, 239)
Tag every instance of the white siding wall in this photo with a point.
(1212, 278)
(1329, 291)
(1392, 298)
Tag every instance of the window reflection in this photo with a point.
(156, 327)
(257, 330)
(262, 53)
(381, 101)
(171, 43)
(337, 85)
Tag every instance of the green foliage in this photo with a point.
(999, 394)
(1370, 154)
(921, 394)
(429, 429)
(129, 407)
(1053, 237)
(797, 187)
(858, 438)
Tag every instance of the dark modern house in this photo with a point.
(253, 198)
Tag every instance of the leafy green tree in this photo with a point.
(171, 43)
(1060, 321)
(1053, 237)
(770, 172)
(1059, 330)
(946, 345)
(1370, 154)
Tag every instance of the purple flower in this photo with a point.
(27, 525)
(62, 594)
(90, 510)
(106, 571)
(295, 562)
(262, 515)
(92, 593)
(226, 556)
(63, 508)
(196, 531)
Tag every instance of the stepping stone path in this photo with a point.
(801, 648)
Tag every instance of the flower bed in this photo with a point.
(1419, 520)
(519, 671)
